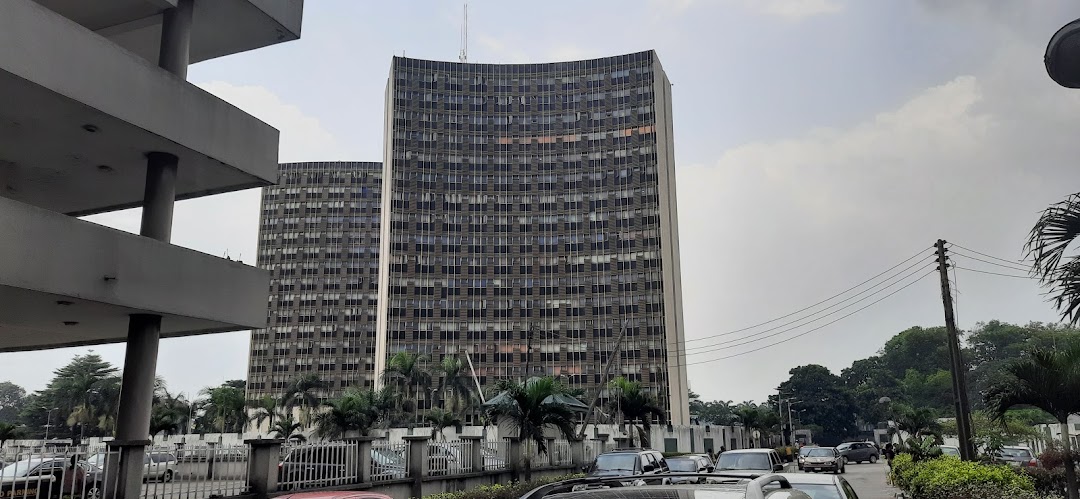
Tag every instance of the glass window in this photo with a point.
(820, 452)
(616, 462)
(744, 461)
(683, 464)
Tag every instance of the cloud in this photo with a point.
(498, 51)
(787, 9)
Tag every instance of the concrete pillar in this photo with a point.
(263, 457)
(477, 451)
(418, 462)
(577, 453)
(514, 459)
(550, 451)
(144, 330)
(122, 474)
(362, 459)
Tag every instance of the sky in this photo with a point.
(817, 143)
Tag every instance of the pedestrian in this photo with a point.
(711, 455)
(722, 450)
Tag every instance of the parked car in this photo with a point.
(820, 486)
(823, 459)
(749, 460)
(949, 450)
(1017, 457)
(157, 466)
(690, 464)
(332, 494)
(51, 477)
(630, 462)
(858, 452)
(721, 486)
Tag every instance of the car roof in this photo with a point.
(331, 494)
(809, 478)
(748, 451)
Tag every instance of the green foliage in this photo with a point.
(356, 411)
(511, 490)
(288, 429)
(1048, 482)
(440, 420)
(8, 431)
(526, 406)
(637, 406)
(823, 401)
(12, 400)
(457, 391)
(223, 409)
(951, 478)
(408, 373)
(1049, 245)
(917, 423)
(305, 392)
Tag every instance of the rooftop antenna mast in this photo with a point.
(464, 55)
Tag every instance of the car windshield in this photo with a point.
(385, 456)
(682, 464)
(18, 468)
(843, 446)
(97, 459)
(950, 451)
(1019, 453)
(743, 461)
(616, 462)
(818, 490)
(819, 452)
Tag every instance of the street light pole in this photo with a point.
(48, 422)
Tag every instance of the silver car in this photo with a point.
(157, 466)
(823, 459)
(821, 486)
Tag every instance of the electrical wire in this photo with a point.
(997, 273)
(746, 339)
(707, 361)
(1010, 267)
(747, 328)
(1006, 260)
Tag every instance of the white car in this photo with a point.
(157, 466)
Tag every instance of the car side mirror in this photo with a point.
(647, 468)
(778, 467)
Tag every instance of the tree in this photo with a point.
(455, 384)
(305, 392)
(407, 372)
(1048, 244)
(748, 414)
(288, 429)
(1015, 428)
(1048, 379)
(531, 407)
(637, 406)
(823, 401)
(85, 392)
(356, 411)
(264, 409)
(925, 350)
(440, 420)
(717, 412)
(917, 423)
(12, 399)
(225, 406)
(8, 431)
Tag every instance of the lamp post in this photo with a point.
(48, 421)
(1063, 56)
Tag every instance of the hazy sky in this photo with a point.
(818, 143)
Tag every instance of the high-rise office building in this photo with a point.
(532, 207)
(319, 238)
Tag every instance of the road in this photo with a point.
(868, 480)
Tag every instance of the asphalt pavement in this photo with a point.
(868, 480)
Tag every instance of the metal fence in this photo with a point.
(82, 472)
(496, 454)
(449, 458)
(315, 465)
(559, 453)
(389, 461)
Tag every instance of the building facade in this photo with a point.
(319, 238)
(529, 222)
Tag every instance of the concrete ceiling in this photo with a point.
(34, 321)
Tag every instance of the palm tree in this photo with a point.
(440, 420)
(264, 409)
(304, 392)
(767, 422)
(225, 404)
(288, 429)
(532, 407)
(8, 431)
(356, 411)
(407, 372)
(455, 384)
(748, 415)
(637, 406)
(918, 423)
(1048, 379)
(1053, 234)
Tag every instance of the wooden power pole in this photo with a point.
(959, 373)
(603, 379)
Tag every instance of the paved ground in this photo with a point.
(869, 481)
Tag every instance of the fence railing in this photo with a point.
(450, 458)
(559, 453)
(315, 465)
(389, 461)
(496, 455)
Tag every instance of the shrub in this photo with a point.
(902, 471)
(951, 478)
(511, 490)
(1048, 481)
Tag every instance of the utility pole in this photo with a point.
(528, 349)
(603, 379)
(959, 374)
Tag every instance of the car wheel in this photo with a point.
(873, 459)
(168, 476)
(93, 491)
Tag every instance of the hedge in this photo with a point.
(951, 478)
(512, 490)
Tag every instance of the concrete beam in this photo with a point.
(65, 282)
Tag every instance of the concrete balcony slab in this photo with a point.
(80, 113)
(65, 282)
(219, 27)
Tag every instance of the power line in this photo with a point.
(810, 330)
(746, 339)
(986, 255)
(703, 338)
(1010, 267)
(996, 273)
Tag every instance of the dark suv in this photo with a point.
(857, 452)
(630, 462)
